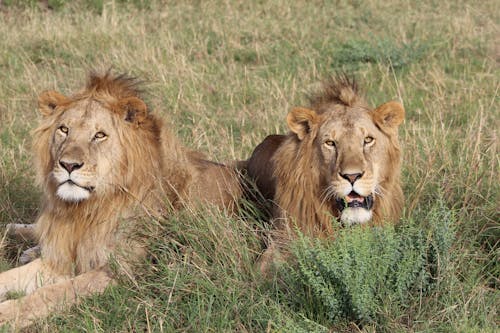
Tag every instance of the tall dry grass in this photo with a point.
(224, 74)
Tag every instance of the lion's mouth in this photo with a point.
(73, 192)
(354, 200)
(70, 182)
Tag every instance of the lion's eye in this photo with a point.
(64, 129)
(330, 143)
(368, 140)
(100, 135)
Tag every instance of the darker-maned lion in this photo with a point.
(341, 160)
(105, 163)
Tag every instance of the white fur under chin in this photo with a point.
(71, 192)
(351, 216)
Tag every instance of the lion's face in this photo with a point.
(352, 147)
(84, 154)
(84, 150)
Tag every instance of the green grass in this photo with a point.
(224, 74)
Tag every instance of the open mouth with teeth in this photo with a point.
(354, 200)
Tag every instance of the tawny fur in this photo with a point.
(155, 175)
(291, 171)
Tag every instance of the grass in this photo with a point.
(224, 75)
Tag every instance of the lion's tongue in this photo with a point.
(352, 197)
(354, 200)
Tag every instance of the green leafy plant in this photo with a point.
(355, 52)
(365, 269)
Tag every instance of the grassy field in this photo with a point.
(224, 74)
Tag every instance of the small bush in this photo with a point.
(353, 53)
(365, 270)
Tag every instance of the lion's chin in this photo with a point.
(352, 216)
(71, 192)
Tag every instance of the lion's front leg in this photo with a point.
(27, 278)
(272, 258)
(23, 231)
(22, 312)
(30, 254)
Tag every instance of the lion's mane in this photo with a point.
(156, 173)
(289, 171)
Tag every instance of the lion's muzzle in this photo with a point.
(355, 209)
(71, 185)
(68, 166)
(354, 200)
(71, 191)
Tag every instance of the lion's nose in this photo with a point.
(351, 177)
(70, 166)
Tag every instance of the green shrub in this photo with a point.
(353, 53)
(365, 270)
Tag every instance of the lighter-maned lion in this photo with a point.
(106, 165)
(341, 160)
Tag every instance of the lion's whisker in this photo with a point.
(379, 190)
(327, 194)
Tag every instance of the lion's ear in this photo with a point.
(49, 100)
(389, 115)
(300, 121)
(134, 110)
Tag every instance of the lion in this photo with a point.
(341, 159)
(106, 166)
